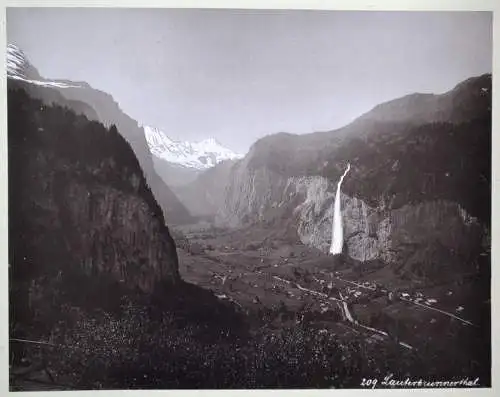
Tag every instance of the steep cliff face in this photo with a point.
(100, 106)
(249, 194)
(204, 195)
(418, 192)
(109, 113)
(174, 176)
(387, 234)
(420, 235)
(113, 232)
(79, 204)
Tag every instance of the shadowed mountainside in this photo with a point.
(100, 106)
(79, 203)
(87, 242)
(93, 270)
(414, 159)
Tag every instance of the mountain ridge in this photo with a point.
(404, 167)
(199, 155)
(100, 106)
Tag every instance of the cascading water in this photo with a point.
(337, 232)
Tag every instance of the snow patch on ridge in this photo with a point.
(18, 66)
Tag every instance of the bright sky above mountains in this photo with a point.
(237, 75)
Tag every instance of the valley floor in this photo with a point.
(377, 305)
(270, 313)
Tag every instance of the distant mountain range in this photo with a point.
(198, 155)
(419, 191)
(98, 106)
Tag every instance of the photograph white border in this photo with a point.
(379, 5)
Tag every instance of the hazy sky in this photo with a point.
(237, 75)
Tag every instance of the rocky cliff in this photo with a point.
(416, 187)
(204, 195)
(390, 235)
(79, 204)
(99, 106)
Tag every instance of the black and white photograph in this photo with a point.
(245, 198)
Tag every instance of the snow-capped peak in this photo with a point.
(16, 61)
(19, 68)
(200, 155)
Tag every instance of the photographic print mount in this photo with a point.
(260, 199)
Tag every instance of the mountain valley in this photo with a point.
(145, 262)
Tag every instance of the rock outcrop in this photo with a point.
(392, 235)
(79, 203)
(376, 233)
(204, 195)
(99, 106)
(418, 194)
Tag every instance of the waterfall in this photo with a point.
(337, 232)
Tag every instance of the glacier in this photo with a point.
(199, 155)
